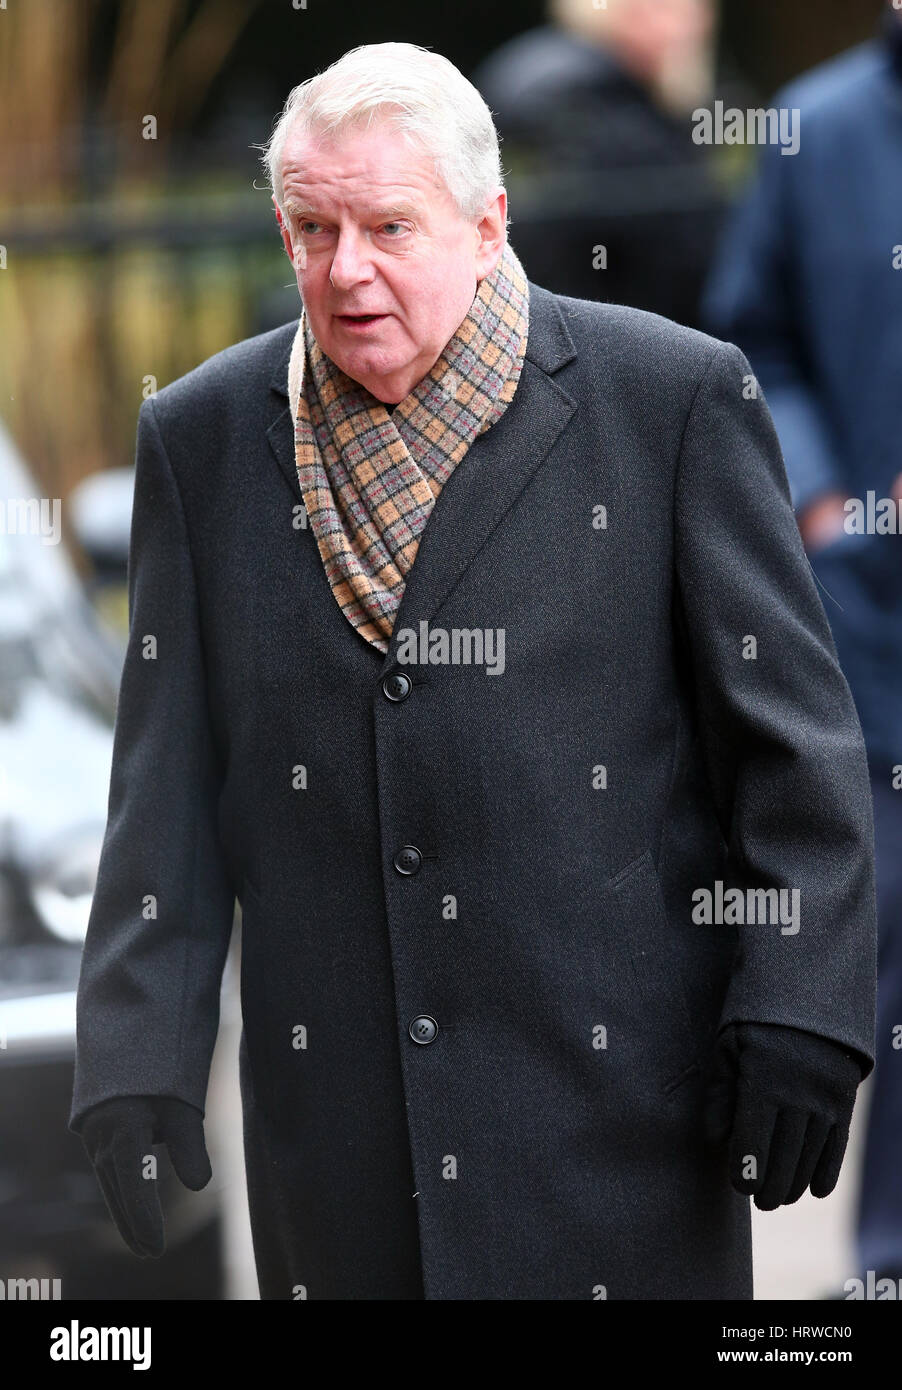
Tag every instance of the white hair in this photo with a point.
(421, 94)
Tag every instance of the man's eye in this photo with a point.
(310, 228)
(387, 226)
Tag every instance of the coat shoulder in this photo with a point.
(239, 372)
(829, 91)
(636, 349)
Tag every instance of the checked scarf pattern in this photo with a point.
(370, 479)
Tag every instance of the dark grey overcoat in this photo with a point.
(507, 846)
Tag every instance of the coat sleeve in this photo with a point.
(778, 729)
(147, 1010)
(750, 299)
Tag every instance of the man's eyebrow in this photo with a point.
(375, 214)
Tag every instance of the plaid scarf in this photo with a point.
(370, 479)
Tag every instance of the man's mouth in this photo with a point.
(360, 320)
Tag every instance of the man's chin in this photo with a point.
(369, 367)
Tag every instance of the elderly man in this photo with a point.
(548, 813)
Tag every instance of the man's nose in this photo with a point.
(352, 263)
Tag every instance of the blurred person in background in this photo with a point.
(594, 109)
(809, 285)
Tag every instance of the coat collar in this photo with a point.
(549, 344)
(488, 479)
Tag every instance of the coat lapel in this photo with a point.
(491, 475)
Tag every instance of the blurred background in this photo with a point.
(137, 238)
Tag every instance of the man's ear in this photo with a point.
(492, 234)
(286, 239)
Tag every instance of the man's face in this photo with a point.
(371, 230)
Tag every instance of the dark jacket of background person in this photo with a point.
(595, 161)
(805, 284)
(548, 1143)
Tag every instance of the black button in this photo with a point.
(423, 1029)
(396, 687)
(408, 860)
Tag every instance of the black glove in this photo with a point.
(118, 1135)
(782, 1097)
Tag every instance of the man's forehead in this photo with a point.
(376, 165)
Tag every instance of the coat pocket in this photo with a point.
(254, 1010)
(658, 970)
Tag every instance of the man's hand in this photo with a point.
(783, 1100)
(118, 1135)
(822, 521)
